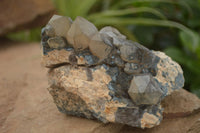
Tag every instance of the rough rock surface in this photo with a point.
(28, 108)
(84, 92)
(104, 76)
(24, 14)
(56, 42)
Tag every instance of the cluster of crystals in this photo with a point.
(131, 65)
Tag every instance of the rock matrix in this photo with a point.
(102, 75)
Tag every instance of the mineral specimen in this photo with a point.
(104, 76)
(144, 90)
(80, 33)
(60, 25)
(56, 42)
(98, 47)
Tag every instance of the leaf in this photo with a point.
(83, 6)
(113, 13)
(125, 3)
(196, 91)
(145, 34)
(128, 33)
(74, 8)
(194, 22)
(61, 6)
(176, 54)
(187, 41)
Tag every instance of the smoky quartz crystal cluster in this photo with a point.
(102, 75)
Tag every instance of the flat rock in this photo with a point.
(180, 104)
(195, 127)
(23, 14)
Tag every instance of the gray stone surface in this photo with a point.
(132, 68)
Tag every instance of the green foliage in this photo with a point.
(74, 8)
(168, 25)
(27, 36)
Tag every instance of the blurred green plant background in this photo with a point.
(172, 26)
